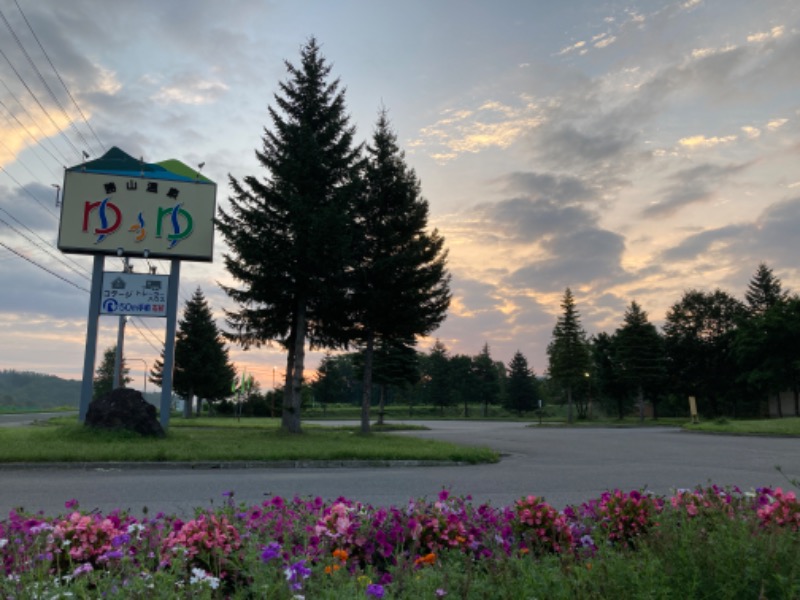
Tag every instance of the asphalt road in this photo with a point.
(566, 466)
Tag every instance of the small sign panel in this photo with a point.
(134, 294)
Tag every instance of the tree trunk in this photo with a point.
(382, 404)
(569, 404)
(366, 393)
(640, 398)
(199, 408)
(290, 419)
(187, 405)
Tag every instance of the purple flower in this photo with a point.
(271, 551)
(119, 540)
(375, 590)
(296, 573)
(71, 503)
(440, 593)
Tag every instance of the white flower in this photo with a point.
(3, 542)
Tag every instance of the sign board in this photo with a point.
(134, 294)
(122, 206)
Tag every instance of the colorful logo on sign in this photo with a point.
(179, 222)
(102, 208)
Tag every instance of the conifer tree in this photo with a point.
(400, 282)
(521, 385)
(640, 355)
(764, 291)
(568, 351)
(202, 366)
(289, 232)
(104, 375)
(487, 375)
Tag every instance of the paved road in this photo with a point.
(17, 419)
(566, 466)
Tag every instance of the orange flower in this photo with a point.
(428, 559)
(329, 570)
(340, 554)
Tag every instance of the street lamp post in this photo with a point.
(145, 370)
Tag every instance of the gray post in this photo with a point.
(91, 336)
(169, 342)
(119, 357)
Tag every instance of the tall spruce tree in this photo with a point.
(568, 351)
(400, 282)
(289, 233)
(640, 356)
(202, 365)
(487, 376)
(764, 291)
(521, 385)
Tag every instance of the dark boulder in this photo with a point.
(124, 408)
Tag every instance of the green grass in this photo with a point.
(250, 440)
(785, 426)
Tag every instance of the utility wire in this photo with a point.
(64, 85)
(43, 268)
(45, 248)
(21, 124)
(41, 106)
(27, 191)
(42, 80)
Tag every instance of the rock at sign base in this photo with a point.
(124, 408)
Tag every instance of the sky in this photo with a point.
(630, 151)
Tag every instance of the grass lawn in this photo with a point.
(201, 440)
(785, 426)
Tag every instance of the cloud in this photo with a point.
(557, 187)
(700, 243)
(691, 186)
(188, 89)
(587, 257)
(701, 141)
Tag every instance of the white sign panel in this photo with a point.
(134, 294)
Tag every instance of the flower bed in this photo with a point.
(306, 547)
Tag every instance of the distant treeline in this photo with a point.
(23, 389)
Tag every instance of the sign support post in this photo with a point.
(169, 342)
(91, 336)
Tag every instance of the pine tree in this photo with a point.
(764, 291)
(289, 233)
(640, 355)
(202, 366)
(568, 351)
(104, 375)
(400, 283)
(487, 375)
(521, 386)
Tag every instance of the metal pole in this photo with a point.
(119, 367)
(145, 371)
(169, 341)
(90, 349)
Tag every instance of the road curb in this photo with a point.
(227, 465)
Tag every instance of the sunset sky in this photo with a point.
(627, 150)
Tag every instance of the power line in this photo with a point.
(42, 79)
(43, 268)
(39, 104)
(21, 124)
(27, 191)
(45, 248)
(64, 85)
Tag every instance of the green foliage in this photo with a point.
(20, 389)
(699, 333)
(640, 357)
(568, 351)
(104, 375)
(521, 393)
(289, 233)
